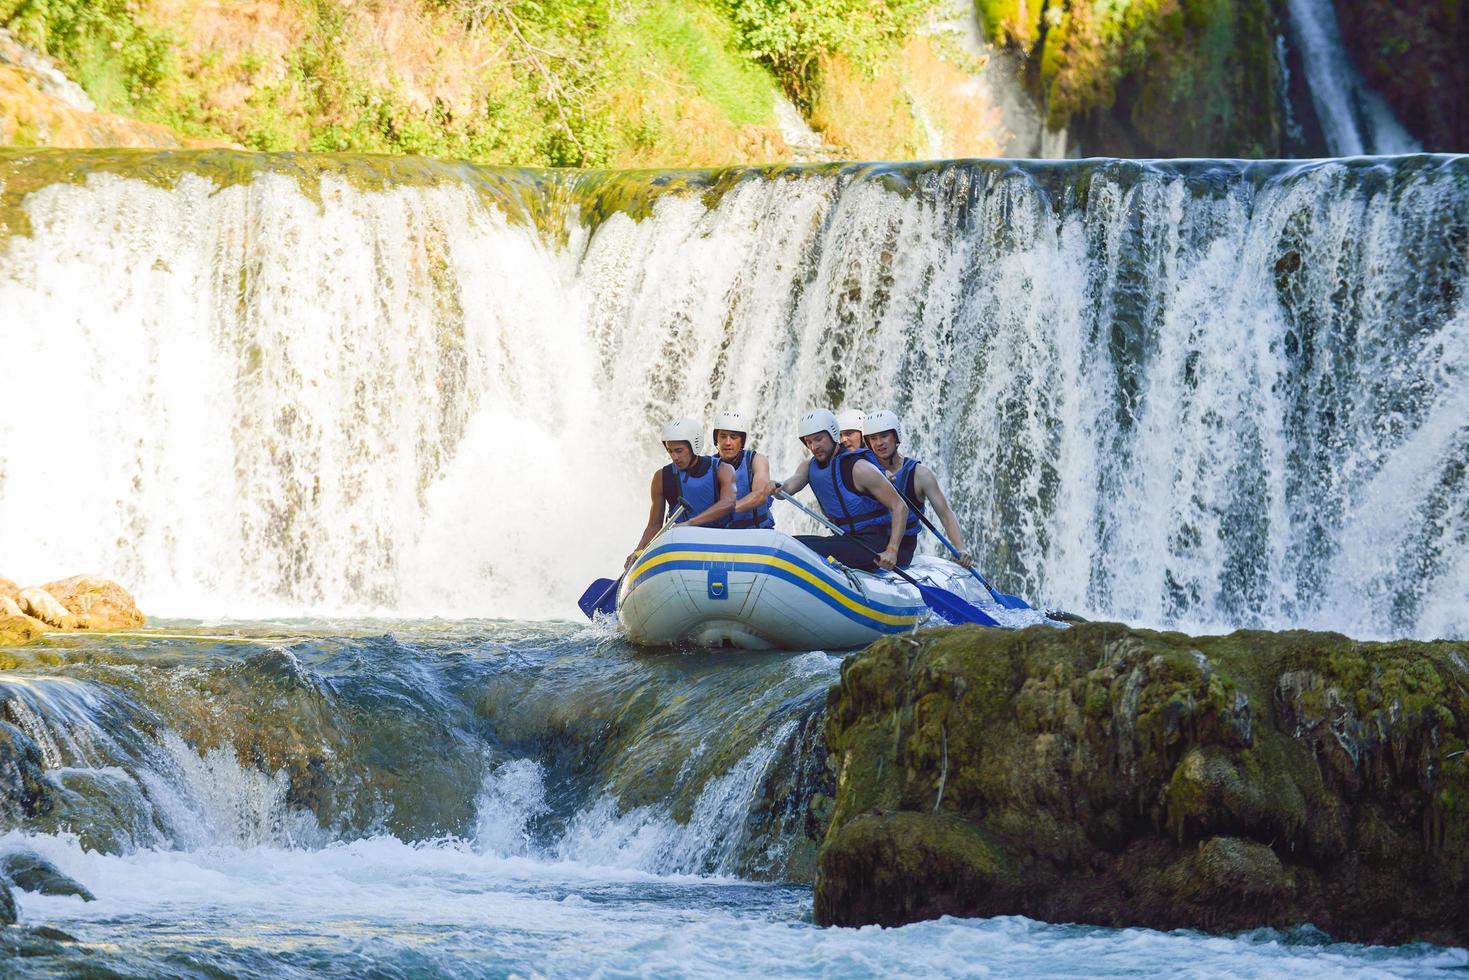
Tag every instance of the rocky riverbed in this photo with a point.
(80, 602)
(1124, 777)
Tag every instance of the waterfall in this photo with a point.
(1201, 395)
(1354, 119)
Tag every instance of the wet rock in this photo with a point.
(33, 941)
(45, 607)
(15, 630)
(1125, 777)
(30, 872)
(24, 791)
(104, 808)
(903, 867)
(7, 906)
(96, 603)
(1412, 53)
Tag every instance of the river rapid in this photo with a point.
(381, 421)
(487, 799)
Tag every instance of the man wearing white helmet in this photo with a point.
(849, 425)
(702, 484)
(915, 482)
(751, 470)
(852, 493)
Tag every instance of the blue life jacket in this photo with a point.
(844, 505)
(760, 516)
(904, 479)
(697, 487)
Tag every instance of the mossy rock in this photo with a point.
(30, 872)
(18, 630)
(897, 868)
(24, 792)
(1153, 78)
(1157, 779)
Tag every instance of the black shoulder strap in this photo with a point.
(910, 480)
(848, 461)
(670, 486)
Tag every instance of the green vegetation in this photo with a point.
(120, 60)
(695, 38)
(793, 36)
(520, 82)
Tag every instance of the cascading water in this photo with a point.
(426, 780)
(1197, 395)
(1354, 119)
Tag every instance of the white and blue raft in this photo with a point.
(761, 590)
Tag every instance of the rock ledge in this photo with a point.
(1124, 777)
(79, 602)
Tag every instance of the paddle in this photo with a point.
(950, 607)
(601, 595)
(1008, 601)
(590, 602)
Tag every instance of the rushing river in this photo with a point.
(487, 799)
(356, 393)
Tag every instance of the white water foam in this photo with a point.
(384, 906)
(646, 838)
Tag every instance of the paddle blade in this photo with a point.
(600, 596)
(953, 609)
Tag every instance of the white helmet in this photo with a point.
(882, 422)
(731, 420)
(849, 419)
(819, 420)
(685, 430)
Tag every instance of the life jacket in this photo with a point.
(903, 480)
(760, 516)
(844, 505)
(697, 487)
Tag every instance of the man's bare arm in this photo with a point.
(655, 517)
(792, 484)
(759, 476)
(867, 477)
(927, 485)
(722, 507)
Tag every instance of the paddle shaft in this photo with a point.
(918, 512)
(951, 607)
(666, 525)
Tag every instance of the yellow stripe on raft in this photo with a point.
(725, 557)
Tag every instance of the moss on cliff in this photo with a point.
(1126, 777)
(1151, 77)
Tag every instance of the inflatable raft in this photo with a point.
(762, 590)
